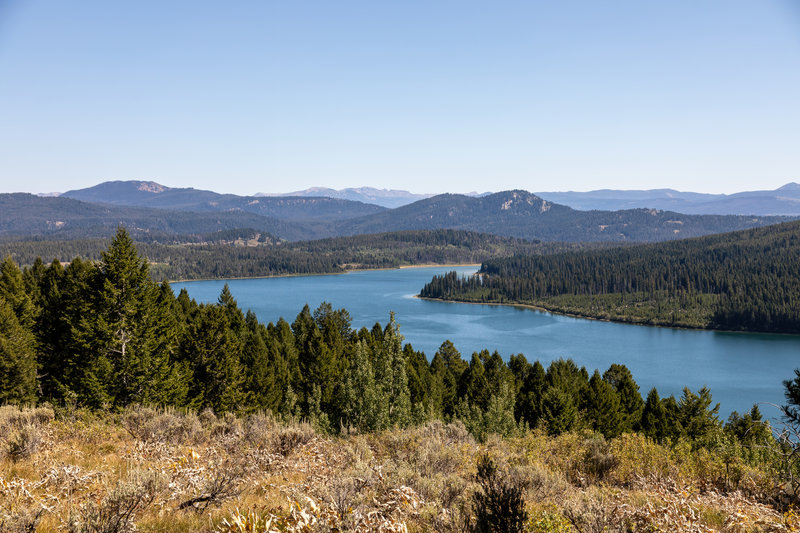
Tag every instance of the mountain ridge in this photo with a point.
(783, 201)
(150, 207)
(134, 193)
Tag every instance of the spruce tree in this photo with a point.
(17, 359)
(13, 289)
(474, 385)
(558, 411)
(630, 400)
(214, 354)
(602, 407)
(448, 366)
(654, 417)
(697, 417)
(363, 406)
(398, 393)
(529, 402)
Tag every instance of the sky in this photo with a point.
(428, 96)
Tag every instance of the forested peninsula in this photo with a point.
(741, 281)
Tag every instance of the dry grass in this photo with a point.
(165, 470)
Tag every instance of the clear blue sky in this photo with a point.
(429, 96)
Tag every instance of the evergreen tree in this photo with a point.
(565, 375)
(266, 375)
(558, 411)
(791, 411)
(654, 417)
(474, 385)
(318, 364)
(82, 368)
(16, 294)
(52, 330)
(395, 384)
(213, 351)
(602, 407)
(419, 377)
(363, 406)
(499, 417)
(448, 367)
(17, 359)
(529, 401)
(630, 400)
(697, 417)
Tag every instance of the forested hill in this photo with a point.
(233, 254)
(27, 215)
(525, 215)
(189, 213)
(151, 194)
(746, 280)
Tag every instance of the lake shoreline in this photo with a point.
(401, 267)
(608, 320)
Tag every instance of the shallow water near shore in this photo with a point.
(739, 368)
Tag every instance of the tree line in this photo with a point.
(105, 335)
(746, 280)
(224, 254)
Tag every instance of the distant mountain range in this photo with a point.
(525, 215)
(782, 201)
(151, 194)
(384, 197)
(152, 210)
(390, 198)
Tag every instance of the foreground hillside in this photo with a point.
(164, 470)
(747, 280)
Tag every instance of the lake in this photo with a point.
(739, 368)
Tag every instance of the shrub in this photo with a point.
(23, 442)
(258, 429)
(116, 512)
(597, 458)
(220, 484)
(167, 425)
(21, 521)
(498, 506)
(13, 417)
(287, 438)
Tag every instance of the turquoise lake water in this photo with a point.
(740, 369)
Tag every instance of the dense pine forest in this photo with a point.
(746, 280)
(250, 253)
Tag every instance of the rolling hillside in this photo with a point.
(525, 215)
(151, 194)
(27, 215)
